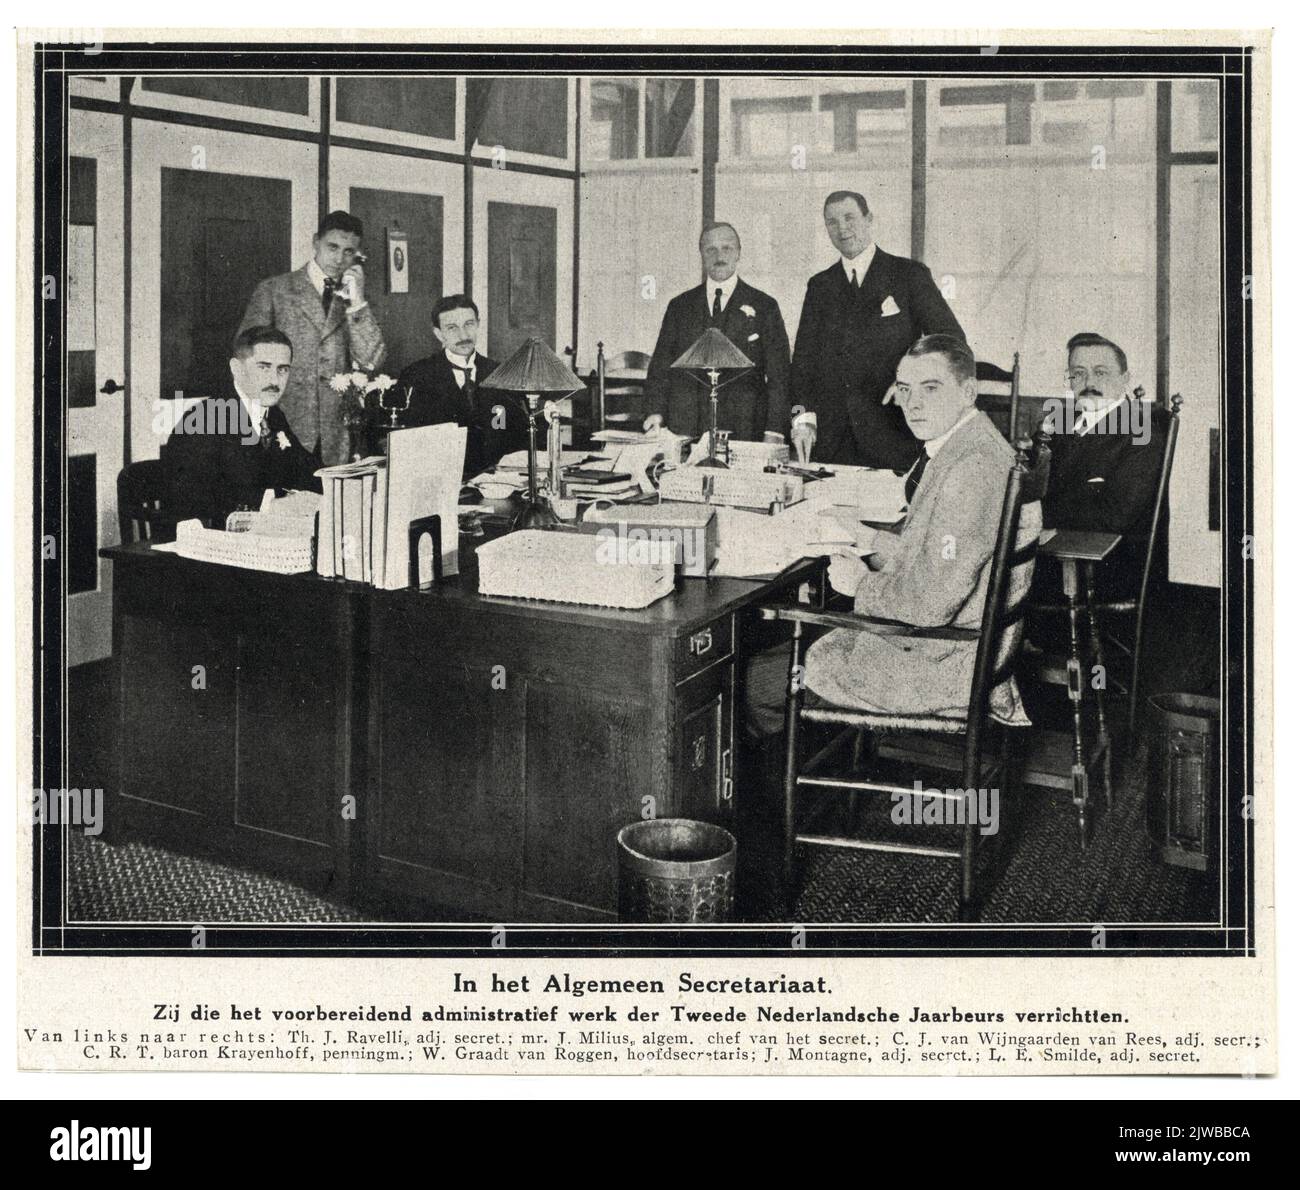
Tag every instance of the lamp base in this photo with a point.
(707, 462)
(534, 514)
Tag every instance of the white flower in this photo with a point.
(283, 439)
(380, 384)
(340, 381)
(360, 380)
(747, 310)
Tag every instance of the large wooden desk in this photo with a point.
(424, 752)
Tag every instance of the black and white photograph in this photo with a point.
(665, 499)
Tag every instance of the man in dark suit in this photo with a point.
(752, 405)
(859, 318)
(1106, 458)
(224, 452)
(445, 387)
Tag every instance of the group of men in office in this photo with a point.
(881, 376)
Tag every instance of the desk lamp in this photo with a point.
(533, 370)
(713, 353)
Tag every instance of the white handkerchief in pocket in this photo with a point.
(889, 307)
(752, 338)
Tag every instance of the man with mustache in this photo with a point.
(753, 405)
(1106, 462)
(446, 387)
(226, 451)
(859, 317)
(322, 308)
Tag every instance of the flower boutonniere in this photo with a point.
(749, 310)
(282, 439)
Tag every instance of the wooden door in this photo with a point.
(221, 235)
(521, 276)
(95, 374)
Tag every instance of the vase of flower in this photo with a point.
(355, 388)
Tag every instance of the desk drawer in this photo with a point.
(702, 648)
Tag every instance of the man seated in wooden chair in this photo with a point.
(933, 573)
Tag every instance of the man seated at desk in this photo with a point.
(445, 387)
(933, 573)
(1106, 465)
(224, 452)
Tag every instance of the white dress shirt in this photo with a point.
(254, 408)
(1090, 417)
(728, 287)
(934, 445)
(462, 361)
(859, 264)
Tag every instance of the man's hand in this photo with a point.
(846, 573)
(354, 285)
(804, 437)
(654, 422)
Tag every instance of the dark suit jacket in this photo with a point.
(437, 398)
(846, 353)
(1106, 481)
(752, 403)
(213, 469)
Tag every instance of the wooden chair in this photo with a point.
(618, 389)
(1106, 615)
(141, 503)
(1002, 407)
(997, 643)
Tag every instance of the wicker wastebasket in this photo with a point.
(1183, 789)
(676, 869)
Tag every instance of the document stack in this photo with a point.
(739, 489)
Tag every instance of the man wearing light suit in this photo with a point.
(753, 404)
(322, 308)
(933, 573)
(859, 317)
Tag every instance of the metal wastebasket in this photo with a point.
(676, 869)
(1183, 791)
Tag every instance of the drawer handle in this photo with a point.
(702, 642)
(726, 775)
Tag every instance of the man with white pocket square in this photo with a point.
(753, 405)
(859, 318)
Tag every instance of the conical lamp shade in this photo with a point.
(712, 350)
(534, 368)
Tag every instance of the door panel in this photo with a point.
(521, 276)
(221, 234)
(95, 356)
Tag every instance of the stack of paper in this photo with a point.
(873, 495)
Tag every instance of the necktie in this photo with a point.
(853, 278)
(468, 388)
(327, 294)
(264, 433)
(717, 304)
(913, 480)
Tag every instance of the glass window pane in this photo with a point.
(1195, 115)
(670, 118)
(612, 131)
(862, 115)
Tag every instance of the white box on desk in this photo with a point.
(568, 567)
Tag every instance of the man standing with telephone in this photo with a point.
(322, 308)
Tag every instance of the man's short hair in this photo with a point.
(340, 221)
(708, 227)
(252, 337)
(843, 195)
(1092, 339)
(455, 301)
(961, 359)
